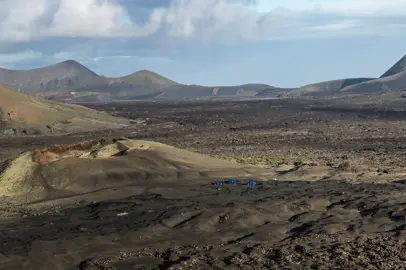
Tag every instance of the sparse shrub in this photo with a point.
(345, 166)
(260, 160)
(348, 167)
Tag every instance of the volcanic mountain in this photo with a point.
(70, 81)
(392, 80)
(399, 67)
(21, 114)
(144, 77)
(66, 75)
(326, 88)
(73, 76)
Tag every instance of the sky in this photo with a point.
(285, 43)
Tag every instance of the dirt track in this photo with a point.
(276, 224)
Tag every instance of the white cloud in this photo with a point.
(86, 18)
(19, 18)
(64, 55)
(338, 7)
(205, 20)
(22, 20)
(96, 59)
(361, 7)
(138, 59)
(11, 58)
(208, 20)
(337, 26)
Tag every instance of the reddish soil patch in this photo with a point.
(50, 154)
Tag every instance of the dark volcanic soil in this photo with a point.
(274, 225)
(267, 132)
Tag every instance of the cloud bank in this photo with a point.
(201, 20)
(122, 32)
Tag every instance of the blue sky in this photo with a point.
(285, 43)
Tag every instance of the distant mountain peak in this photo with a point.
(145, 76)
(400, 66)
(74, 66)
(64, 75)
(71, 62)
(144, 71)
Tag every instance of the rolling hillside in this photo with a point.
(392, 80)
(21, 114)
(399, 67)
(70, 81)
(326, 88)
(73, 76)
(144, 77)
(65, 75)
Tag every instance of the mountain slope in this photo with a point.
(392, 80)
(325, 88)
(70, 81)
(73, 76)
(400, 66)
(392, 83)
(273, 92)
(66, 75)
(23, 114)
(193, 92)
(144, 77)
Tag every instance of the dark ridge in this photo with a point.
(400, 66)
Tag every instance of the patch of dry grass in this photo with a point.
(260, 160)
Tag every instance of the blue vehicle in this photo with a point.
(232, 182)
(251, 183)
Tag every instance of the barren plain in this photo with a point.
(329, 194)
